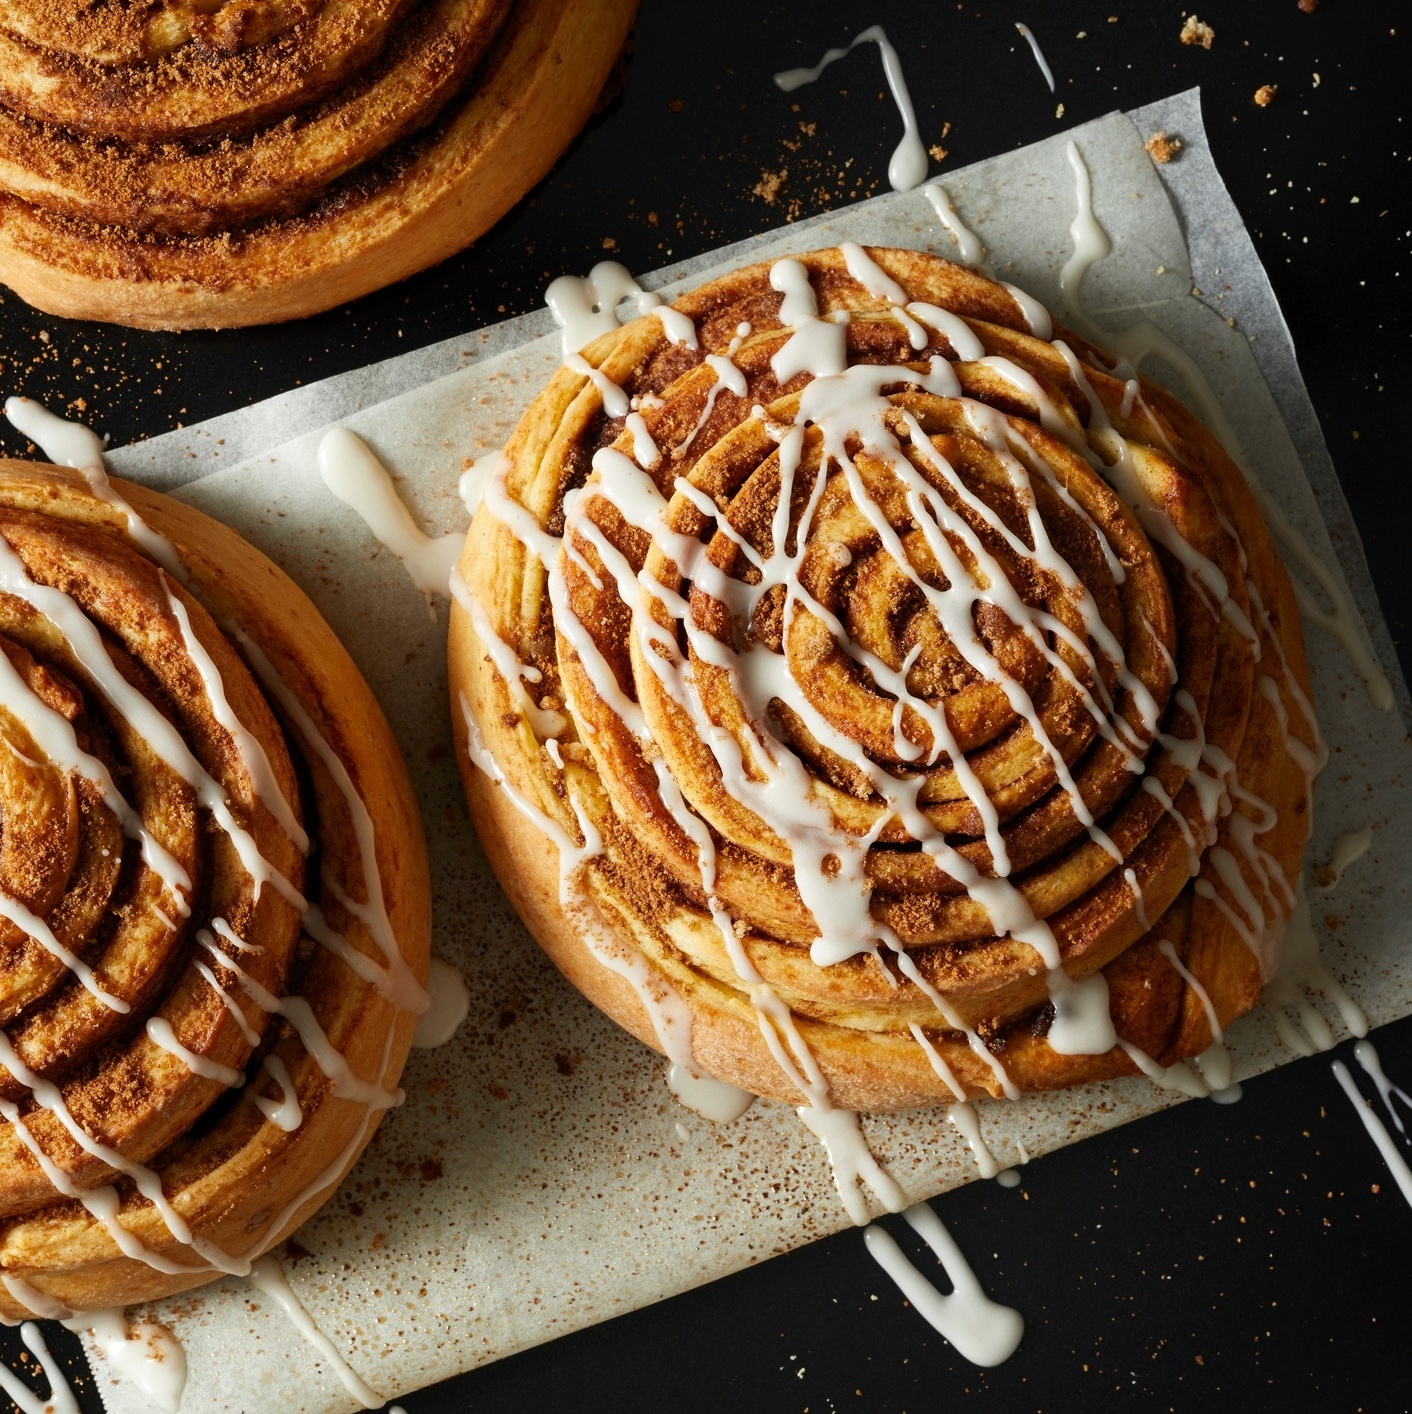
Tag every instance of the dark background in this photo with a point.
(1255, 1256)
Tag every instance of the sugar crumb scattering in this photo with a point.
(1162, 148)
(1265, 95)
(1196, 31)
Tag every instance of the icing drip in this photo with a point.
(983, 1332)
(146, 1355)
(1366, 1056)
(1377, 1130)
(852, 1161)
(587, 308)
(354, 474)
(268, 1276)
(1302, 971)
(471, 485)
(450, 1001)
(1348, 849)
(1038, 54)
(73, 445)
(967, 1122)
(908, 165)
(968, 244)
(61, 1398)
(38, 1302)
(285, 1113)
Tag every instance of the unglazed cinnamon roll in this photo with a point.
(872, 697)
(214, 904)
(182, 165)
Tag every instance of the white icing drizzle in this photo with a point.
(347, 1084)
(56, 738)
(160, 1033)
(103, 1202)
(668, 1013)
(394, 980)
(40, 1303)
(1347, 849)
(728, 378)
(1038, 54)
(983, 1332)
(450, 1002)
(1194, 982)
(545, 723)
(352, 471)
(163, 738)
(284, 1113)
(908, 164)
(147, 1355)
(73, 445)
(268, 1276)
(61, 1398)
(1377, 1130)
(252, 754)
(31, 923)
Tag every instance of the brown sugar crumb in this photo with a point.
(1196, 31)
(1162, 148)
(1265, 95)
(768, 187)
(1308, 6)
(938, 152)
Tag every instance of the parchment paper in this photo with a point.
(539, 1177)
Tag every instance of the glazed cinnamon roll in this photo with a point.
(873, 695)
(175, 165)
(214, 904)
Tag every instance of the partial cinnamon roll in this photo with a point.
(214, 902)
(913, 698)
(173, 165)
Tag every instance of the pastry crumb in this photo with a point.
(1162, 148)
(768, 187)
(1308, 6)
(938, 152)
(1196, 31)
(1265, 94)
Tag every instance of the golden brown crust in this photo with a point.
(239, 1181)
(317, 210)
(1236, 813)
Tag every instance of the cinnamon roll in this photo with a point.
(177, 165)
(873, 695)
(214, 903)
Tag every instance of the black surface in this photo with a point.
(1254, 1256)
